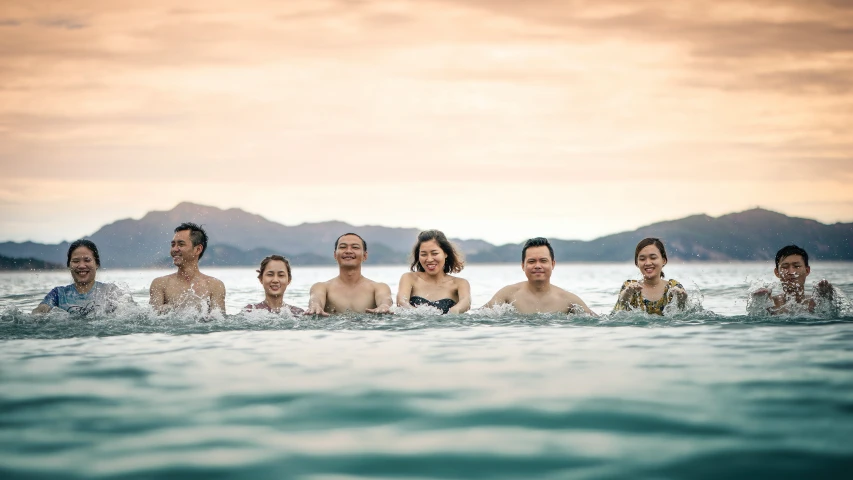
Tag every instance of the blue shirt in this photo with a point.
(103, 297)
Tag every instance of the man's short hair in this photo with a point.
(536, 242)
(357, 235)
(197, 235)
(789, 250)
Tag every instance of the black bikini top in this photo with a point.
(445, 304)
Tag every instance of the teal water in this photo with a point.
(712, 393)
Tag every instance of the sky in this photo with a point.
(492, 119)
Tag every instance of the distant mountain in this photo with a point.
(9, 263)
(239, 238)
(236, 238)
(751, 235)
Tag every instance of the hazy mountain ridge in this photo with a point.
(239, 238)
(8, 263)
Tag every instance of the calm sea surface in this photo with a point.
(711, 393)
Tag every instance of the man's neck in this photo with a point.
(188, 273)
(350, 276)
(539, 288)
(84, 287)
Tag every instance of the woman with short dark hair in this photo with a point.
(434, 258)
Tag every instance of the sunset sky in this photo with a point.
(493, 119)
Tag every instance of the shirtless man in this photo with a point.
(188, 287)
(792, 268)
(537, 295)
(349, 291)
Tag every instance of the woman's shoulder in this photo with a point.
(627, 282)
(674, 283)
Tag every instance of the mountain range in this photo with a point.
(239, 238)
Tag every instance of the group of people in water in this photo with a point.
(431, 281)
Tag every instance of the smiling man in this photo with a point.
(537, 295)
(188, 288)
(350, 291)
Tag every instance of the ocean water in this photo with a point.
(707, 393)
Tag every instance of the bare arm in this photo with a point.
(464, 290)
(42, 308)
(574, 300)
(629, 289)
(157, 295)
(317, 300)
(217, 296)
(382, 298)
(499, 298)
(404, 292)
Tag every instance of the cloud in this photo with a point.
(63, 23)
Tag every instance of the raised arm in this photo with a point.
(157, 294)
(404, 291)
(382, 297)
(464, 291)
(629, 289)
(317, 300)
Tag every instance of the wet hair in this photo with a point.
(83, 243)
(197, 235)
(789, 250)
(270, 258)
(645, 243)
(357, 235)
(454, 263)
(537, 242)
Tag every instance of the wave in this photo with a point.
(138, 319)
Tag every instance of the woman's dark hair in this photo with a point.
(197, 235)
(454, 263)
(645, 243)
(270, 258)
(83, 243)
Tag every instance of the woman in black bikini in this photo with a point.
(430, 282)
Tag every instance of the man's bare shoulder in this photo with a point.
(377, 285)
(164, 280)
(212, 281)
(511, 289)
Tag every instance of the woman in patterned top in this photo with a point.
(653, 293)
(274, 275)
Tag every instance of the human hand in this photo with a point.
(678, 292)
(381, 309)
(630, 290)
(762, 291)
(824, 288)
(316, 310)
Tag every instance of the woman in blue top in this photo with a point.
(85, 295)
